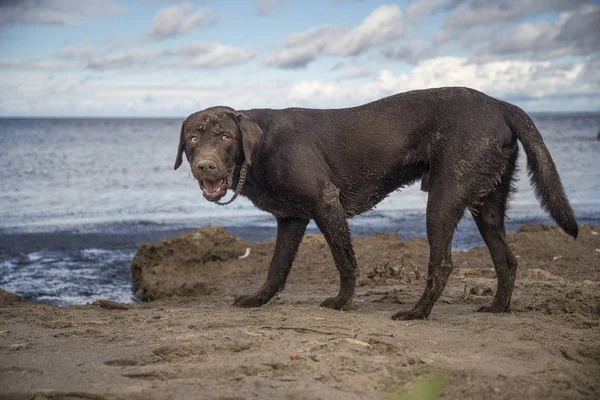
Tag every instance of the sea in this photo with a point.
(79, 196)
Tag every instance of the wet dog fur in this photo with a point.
(330, 165)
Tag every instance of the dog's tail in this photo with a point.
(542, 171)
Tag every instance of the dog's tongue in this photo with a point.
(210, 186)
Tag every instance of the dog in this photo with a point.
(330, 165)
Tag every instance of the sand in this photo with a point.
(199, 346)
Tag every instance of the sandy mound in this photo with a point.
(210, 260)
(7, 298)
(182, 265)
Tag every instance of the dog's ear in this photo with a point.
(251, 135)
(179, 158)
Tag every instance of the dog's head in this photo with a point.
(215, 142)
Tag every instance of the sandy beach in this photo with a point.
(199, 346)
(126, 125)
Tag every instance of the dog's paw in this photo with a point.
(409, 315)
(492, 309)
(249, 301)
(334, 303)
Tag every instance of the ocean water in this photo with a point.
(79, 196)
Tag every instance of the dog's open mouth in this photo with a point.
(214, 190)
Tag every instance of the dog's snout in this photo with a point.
(206, 166)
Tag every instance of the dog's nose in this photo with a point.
(206, 165)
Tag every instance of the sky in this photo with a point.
(167, 58)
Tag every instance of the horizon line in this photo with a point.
(597, 111)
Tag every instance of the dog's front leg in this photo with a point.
(330, 217)
(289, 235)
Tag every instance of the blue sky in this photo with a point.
(159, 58)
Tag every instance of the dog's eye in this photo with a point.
(226, 138)
(193, 139)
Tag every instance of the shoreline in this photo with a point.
(103, 253)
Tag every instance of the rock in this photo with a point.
(7, 298)
(181, 265)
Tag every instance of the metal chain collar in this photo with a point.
(240, 184)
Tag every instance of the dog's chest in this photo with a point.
(281, 205)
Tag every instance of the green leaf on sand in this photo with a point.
(429, 387)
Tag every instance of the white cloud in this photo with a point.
(489, 30)
(572, 33)
(209, 55)
(122, 59)
(308, 90)
(478, 12)
(55, 12)
(192, 55)
(382, 25)
(174, 21)
(534, 85)
(264, 7)
(497, 14)
(410, 50)
(539, 61)
(302, 48)
(524, 80)
(506, 79)
(422, 8)
(33, 65)
(41, 97)
(77, 51)
(356, 73)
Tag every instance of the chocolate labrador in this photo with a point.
(330, 165)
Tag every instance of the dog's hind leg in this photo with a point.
(444, 210)
(463, 168)
(289, 235)
(489, 217)
(330, 217)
